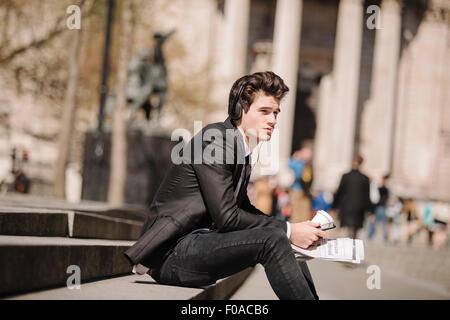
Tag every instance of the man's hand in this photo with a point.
(303, 234)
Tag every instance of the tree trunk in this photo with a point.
(68, 116)
(119, 142)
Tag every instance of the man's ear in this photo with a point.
(242, 114)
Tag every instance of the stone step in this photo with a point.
(130, 212)
(134, 287)
(25, 221)
(32, 222)
(38, 268)
(31, 263)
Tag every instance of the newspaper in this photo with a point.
(340, 249)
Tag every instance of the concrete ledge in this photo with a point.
(58, 223)
(30, 263)
(134, 287)
(129, 287)
(30, 222)
(87, 225)
(130, 212)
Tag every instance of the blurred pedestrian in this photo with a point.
(321, 200)
(21, 182)
(441, 213)
(352, 198)
(427, 221)
(263, 195)
(281, 204)
(300, 196)
(380, 211)
(412, 228)
(394, 219)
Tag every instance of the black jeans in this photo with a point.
(200, 259)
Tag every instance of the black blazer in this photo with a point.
(352, 198)
(197, 195)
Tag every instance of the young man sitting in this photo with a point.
(201, 225)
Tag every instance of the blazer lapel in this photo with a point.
(248, 169)
(229, 124)
(246, 178)
(238, 147)
(237, 175)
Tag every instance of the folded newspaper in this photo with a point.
(340, 249)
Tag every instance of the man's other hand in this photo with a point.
(303, 234)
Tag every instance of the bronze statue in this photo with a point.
(146, 79)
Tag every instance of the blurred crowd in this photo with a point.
(361, 207)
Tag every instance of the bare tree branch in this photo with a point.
(34, 44)
(58, 28)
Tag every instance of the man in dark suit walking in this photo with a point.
(201, 225)
(352, 198)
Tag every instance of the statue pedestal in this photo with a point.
(148, 160)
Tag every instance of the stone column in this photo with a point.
(347, 57)
(285, 63)
(237, 17)
(321, 140)
(378, 112)
(231, 53)
(421, 155)
(336, 126)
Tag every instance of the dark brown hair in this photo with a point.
(267, 82)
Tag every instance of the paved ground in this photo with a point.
(336, 281)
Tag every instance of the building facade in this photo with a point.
(369, 77)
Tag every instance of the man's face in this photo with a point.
(261, 117)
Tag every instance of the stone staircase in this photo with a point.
(42, 240)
